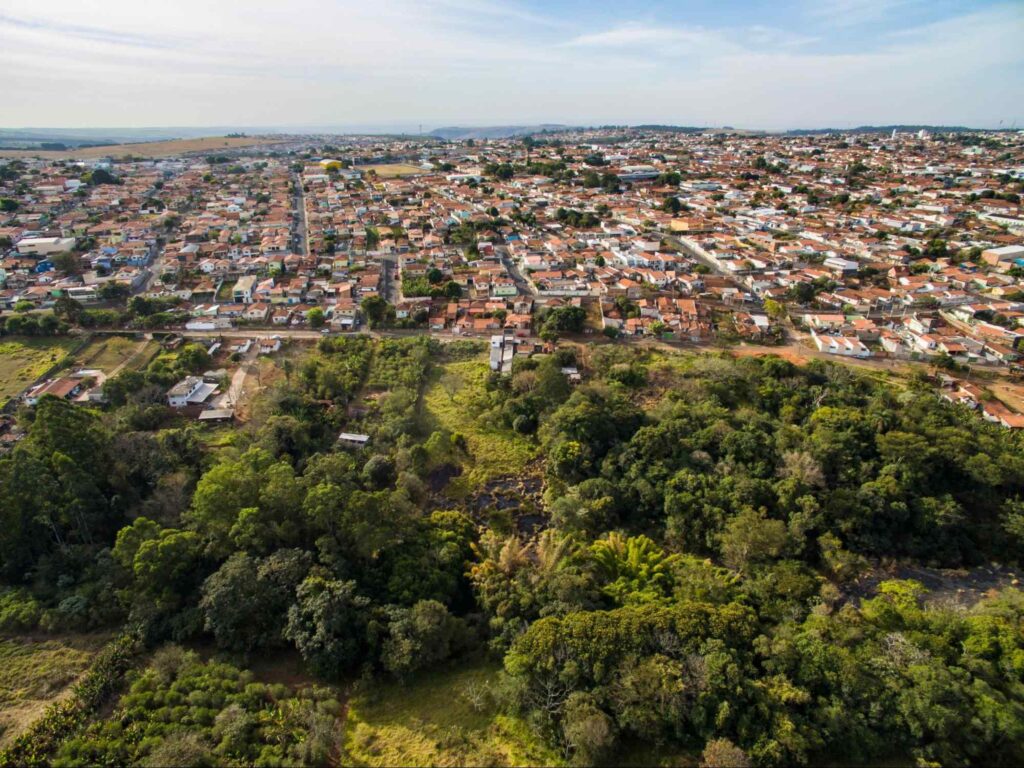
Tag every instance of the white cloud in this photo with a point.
(221, 62)
(849, 13)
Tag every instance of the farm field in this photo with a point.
(34, 672)
(391, 170)
(149, 149)
(494, 451)
(22, 361)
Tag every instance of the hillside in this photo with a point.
(682, 558)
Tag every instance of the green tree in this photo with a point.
(327, 624)
(419, 637)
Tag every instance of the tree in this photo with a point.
(632, 569)
(67, 262)
(672, 205)
(375, 308)
(751, 537)
(245, 602)
(168, 569)
(775, 310)
(316, 317)
(722, 753)
(68, 309)
(419, 637)
(379, 472)
(100, 176)
(587, 730)
(453, 290)
(8, 205)
(327, 624)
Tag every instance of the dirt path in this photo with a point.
(137, 351)
(236, 389)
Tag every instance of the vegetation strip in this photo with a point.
(69, 715)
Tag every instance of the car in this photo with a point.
(325, 332)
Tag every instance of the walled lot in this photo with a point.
(24, 360)
(391, 170)
(111, 354)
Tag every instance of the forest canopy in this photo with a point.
(701, 569)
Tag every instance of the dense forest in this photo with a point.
(693, 574)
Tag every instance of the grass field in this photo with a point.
(494, 452)
(107, 353)
(391, 170)
(34, 672)
(146, 149)
(22, 361)
(447, 717)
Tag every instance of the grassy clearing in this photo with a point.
(34, 673)
(493, 452)
(108, 353)
(391, 170)
(433, 721)
(22, 361)
(227, 290)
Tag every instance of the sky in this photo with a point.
(756, 64)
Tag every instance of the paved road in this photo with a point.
(388, 285)
(301, 225)
(525, 288)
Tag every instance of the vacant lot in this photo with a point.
(493, 451)
(34, 672)
(447, 717)
(146, 149)
(391, 170)
(22, 361)
(110, 353)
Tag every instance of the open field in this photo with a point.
(148, 149)
(34, 672)
(447, 717)
(493, 451)
(111, 353)
(391, 170)
(22, 361)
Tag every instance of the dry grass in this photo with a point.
(148, 149)
(34, 673)
(22, 361)
(107, 354)
(447, 717)
(391, 170)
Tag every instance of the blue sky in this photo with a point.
(746, 63)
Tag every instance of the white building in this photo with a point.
(846, 346)
(191, 390)
(44, 246)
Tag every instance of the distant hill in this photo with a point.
(669, 128)
(884, 129)
(40, 138)
(459, 133)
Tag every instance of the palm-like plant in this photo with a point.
(634, 569)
